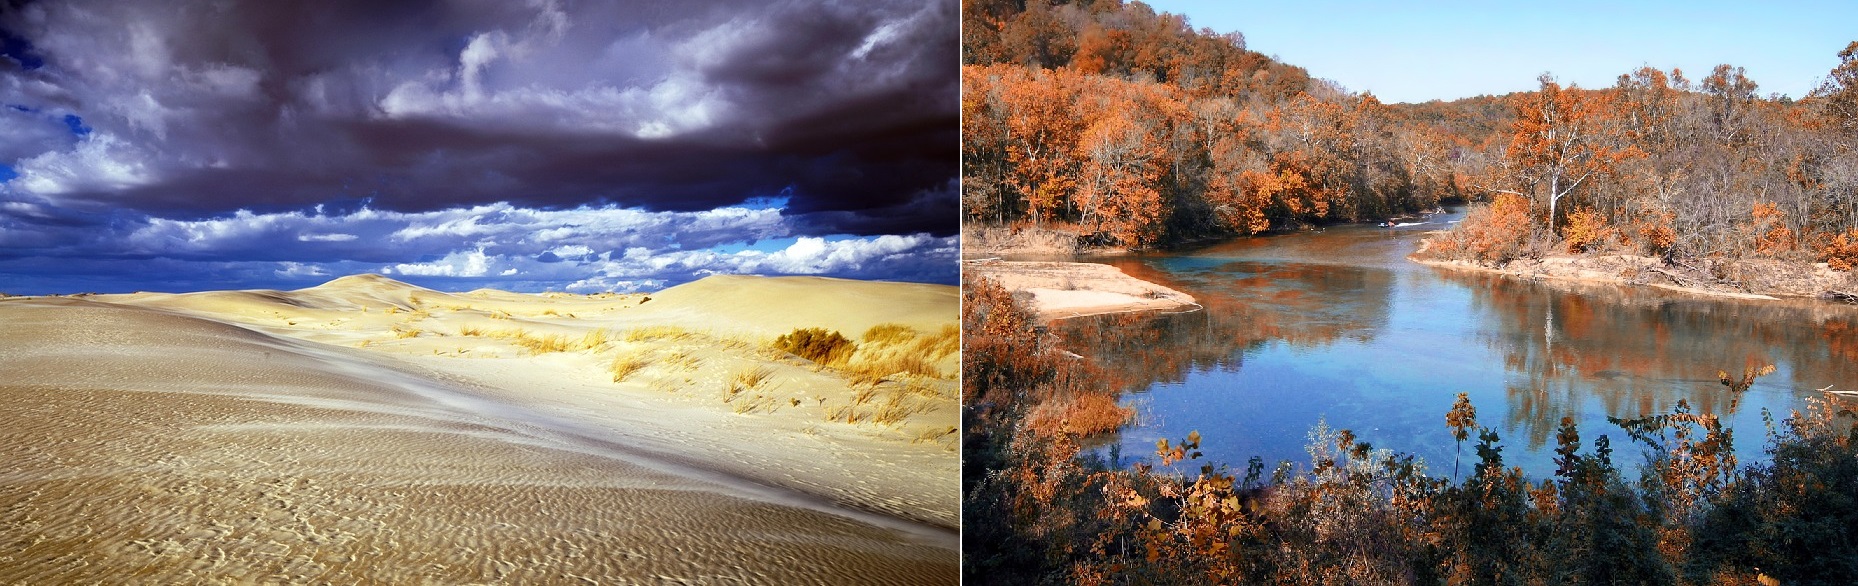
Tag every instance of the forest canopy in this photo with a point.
(1131, 128)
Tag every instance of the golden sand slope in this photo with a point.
(147, 438)
(774, 306)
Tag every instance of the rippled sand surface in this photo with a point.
(142, 446)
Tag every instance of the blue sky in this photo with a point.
(543, 145)
(1423, 50)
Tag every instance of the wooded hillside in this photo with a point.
(1131, 128)
(1139, 130)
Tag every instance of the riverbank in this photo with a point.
(1767, 279)
(992, 239)
(1061, 290)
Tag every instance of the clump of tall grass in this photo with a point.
(684, 359)
(752, 377)
(896, 408)
(594, 339)
(875, 369)
(891, 349)
(939, 344)
(943, 343)
(545, 343)
(659, 334)
(933, 434)
(888, 334)
(627, 364)
(747, 379)
(853, 412)
(816, 344)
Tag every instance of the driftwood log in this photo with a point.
(1840, 296)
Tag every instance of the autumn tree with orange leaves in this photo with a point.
(1118, 194)
(1561, 143)
(1136, 130)
(1838, 94)
(1043, 131)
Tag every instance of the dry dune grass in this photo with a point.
(885, 350)
(626, 364)
(893, 371)
(749, 379)
(594, 339)
(543, 343)
(898, 404)
(685, 359)
(538, 343)
(892, 349)
(659, 333)
(818, 345)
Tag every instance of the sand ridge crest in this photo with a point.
(772, 305)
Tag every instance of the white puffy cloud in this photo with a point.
(500, 245)
(811, 255)
(292, 270)
(500, 229)
(457, 264)
(100, 161)
(917, 257)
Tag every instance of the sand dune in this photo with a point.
(774, 306)
(367, 430)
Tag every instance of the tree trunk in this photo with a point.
(1554, 197)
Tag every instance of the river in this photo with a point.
(1336, 326)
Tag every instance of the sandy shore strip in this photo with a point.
(1778, 280)
(1072, 289)
(371, 431)
(1750, 278)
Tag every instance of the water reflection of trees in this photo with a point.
(1640, 352)
(1246, 305)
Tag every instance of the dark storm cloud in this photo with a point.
(196, 109)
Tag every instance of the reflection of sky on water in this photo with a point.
(1337, 326)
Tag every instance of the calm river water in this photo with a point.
(1337, 326)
